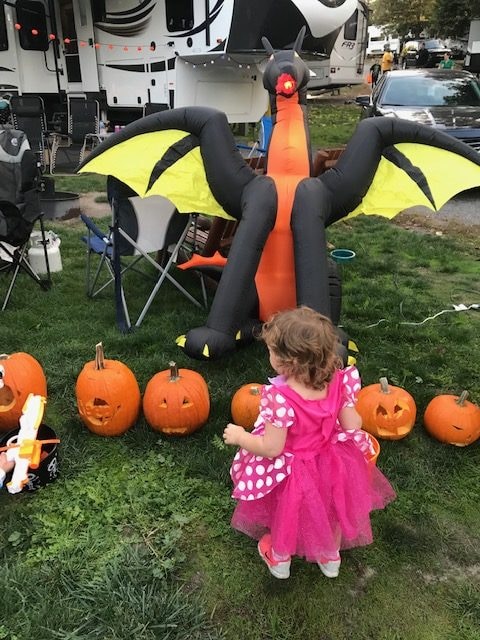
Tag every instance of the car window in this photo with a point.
(455, 93)
(432, 92)
(434, 44)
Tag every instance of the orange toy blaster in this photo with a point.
(24, 448)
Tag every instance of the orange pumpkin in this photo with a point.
(176, 401)
(20, 375)
(246, 404)
(453, 419)
(108, 396)
(387, 412)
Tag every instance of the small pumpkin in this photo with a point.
(453, 419)
(376, 449)
(176, 401)
(108, 395)
(20, 375)
(387, 411)
(245, 404)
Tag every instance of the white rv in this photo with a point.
(343, 64)
(178, 52)
(378, 38)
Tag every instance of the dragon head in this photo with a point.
(285, 73)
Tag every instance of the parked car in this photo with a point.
(457, 47)
(435, 48)
(445, 99)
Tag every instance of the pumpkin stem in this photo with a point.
(461, 400)
(384, 385)
(173, 371)
(3, 356)
(99, 357)
(255, 391)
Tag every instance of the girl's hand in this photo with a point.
(6, 465)
(233, 433)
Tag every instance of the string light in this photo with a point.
(139, 48)
(221, 60)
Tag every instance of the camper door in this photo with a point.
(78, 41)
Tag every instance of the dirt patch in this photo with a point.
(90, 204)
(429, 223)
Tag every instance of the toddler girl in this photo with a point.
(303, 484)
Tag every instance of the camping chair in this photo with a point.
(19, 209)
(28, 115)
(83, 125)
(140, 227)
(154, 107)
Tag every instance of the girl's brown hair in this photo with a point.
(306, 343)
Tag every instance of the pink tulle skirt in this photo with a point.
(324, 505)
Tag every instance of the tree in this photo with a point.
(452, 17)
(404, 16)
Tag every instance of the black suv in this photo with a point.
(435, 49)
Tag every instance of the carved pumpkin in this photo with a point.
(453, 419)
(245, 404)
(176, 401)
(108, 396)
(387, 412)
(20, 375)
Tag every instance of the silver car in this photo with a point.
(445, 99)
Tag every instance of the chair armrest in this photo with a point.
(91, 226)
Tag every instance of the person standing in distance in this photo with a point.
(387, 59)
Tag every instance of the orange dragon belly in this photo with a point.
(288, 163)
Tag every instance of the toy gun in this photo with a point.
(24, 449)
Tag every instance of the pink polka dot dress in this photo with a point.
(316, 496)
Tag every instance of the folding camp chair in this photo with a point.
(19, 209)
(83, 125)
(140, 227)
(28, 115)
(154, 107)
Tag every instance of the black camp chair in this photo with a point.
(154, 107)
(28, 115)
(83, 125)
(19, 209)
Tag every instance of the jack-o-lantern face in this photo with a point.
(453, 420)
(176, 401)
(108, 396)
(97, 411)
(387, 412)
(20, 375)
(7, 399)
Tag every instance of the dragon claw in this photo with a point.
(204, 343)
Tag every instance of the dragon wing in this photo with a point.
(391, 165)
(187, 155)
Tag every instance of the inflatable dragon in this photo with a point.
(278, 258)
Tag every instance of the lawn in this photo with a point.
(133, 539)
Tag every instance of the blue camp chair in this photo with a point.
(140, 227)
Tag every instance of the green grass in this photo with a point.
(133, 539)
(331, 125)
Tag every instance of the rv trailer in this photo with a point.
(472, 58)
(127, 53)
(344, 63)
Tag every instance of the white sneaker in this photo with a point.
(278, 569)
(330, 568)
